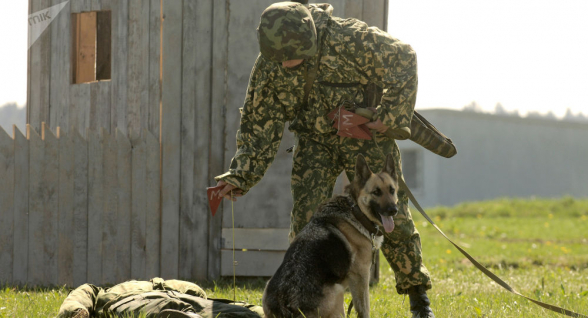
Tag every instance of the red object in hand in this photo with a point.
(345, 119)
(214, 198)
(349, 124)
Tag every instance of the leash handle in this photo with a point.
(481, 267)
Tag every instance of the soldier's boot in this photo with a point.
(171, 313)
(419, 302)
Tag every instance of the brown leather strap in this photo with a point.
(481, 267)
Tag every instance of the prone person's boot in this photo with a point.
(419, 302)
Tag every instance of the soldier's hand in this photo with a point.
(377, 126)
(226, 191)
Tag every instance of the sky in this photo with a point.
(13, 51)
(528, 55)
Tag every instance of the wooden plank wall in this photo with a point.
(129, 100)
(83, 218)
(192, 100)
(131, 103)
(182, 95)
(170, 135)
(265, 211)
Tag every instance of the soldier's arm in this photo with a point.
(260, 131)
(392, 65)
(81, 299)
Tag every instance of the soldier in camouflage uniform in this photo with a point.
(293, 38)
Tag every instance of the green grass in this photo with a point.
(538, 246)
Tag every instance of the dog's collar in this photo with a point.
(374, 230)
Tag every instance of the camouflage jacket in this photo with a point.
(352, 55)
(148, 298)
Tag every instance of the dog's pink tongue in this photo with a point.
(388, 222)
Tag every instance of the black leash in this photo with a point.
(481, 267)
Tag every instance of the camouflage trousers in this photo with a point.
(319, 160)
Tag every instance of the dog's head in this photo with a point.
(376, 194)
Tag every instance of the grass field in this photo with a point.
(539, 247)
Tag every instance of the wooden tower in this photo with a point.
(175, 70)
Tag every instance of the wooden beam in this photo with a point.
(66, 207)
(35, 258)
(95, 206)
(124, 207)
(202, 132)
(170, 135)
(251, 263)
(80, 203)
(138, 209)
(60, 68)
(153, 210)
(6, 206)
(256, 239)
(138, 67)
(21, 207)
(109, 212)
(218, 106)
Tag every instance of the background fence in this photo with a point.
(76, 210)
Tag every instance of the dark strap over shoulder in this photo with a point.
(310, 75)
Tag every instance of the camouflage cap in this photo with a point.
(286, 32)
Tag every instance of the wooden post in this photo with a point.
(123, 217)
(203, 130)
(66, 207)
(96, 198)
(120, 53)
(218, 104)
(61, 73)
(153, 210)
(188, 221)
(80, 203)
(50, 194)
(6, 206)
(36, 222)
(170, 135)
(139, 209)
(39, 73)
(155, 63)
(109, 212)
(138, 66)
(21, 207)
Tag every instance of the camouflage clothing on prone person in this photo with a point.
(352, 55)
(148, 299)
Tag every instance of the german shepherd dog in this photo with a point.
(335, 250)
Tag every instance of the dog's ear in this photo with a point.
(362, 170)
(389, 167)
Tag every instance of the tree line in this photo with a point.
(501, 111)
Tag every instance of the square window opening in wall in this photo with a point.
(412, 168)
(91, 46)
